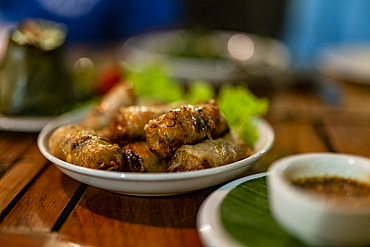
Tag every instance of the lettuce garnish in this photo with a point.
(238, 104)
(153, 81)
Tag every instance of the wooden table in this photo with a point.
(40, 206)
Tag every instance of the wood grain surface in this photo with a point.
(40, 206)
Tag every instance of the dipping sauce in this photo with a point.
(336, 189)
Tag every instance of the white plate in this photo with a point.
(270, 56)
(209, 222)
(350, 62)
(23, 124)
(154, 184)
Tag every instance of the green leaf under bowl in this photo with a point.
(245, 215)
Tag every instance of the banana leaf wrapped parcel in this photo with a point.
(35, 80)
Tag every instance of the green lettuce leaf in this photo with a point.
(240, 106)
(153, 81)
(237, 103)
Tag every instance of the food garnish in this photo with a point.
(237, 103)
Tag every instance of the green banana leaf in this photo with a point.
(246, 217)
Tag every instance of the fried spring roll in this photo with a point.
(121, 94)
(138, 158)
(187, 124)
(209, 153)
(128, 123)
(82, 147)
(220, 123)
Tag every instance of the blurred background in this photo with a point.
(285, 38)
(102, 20)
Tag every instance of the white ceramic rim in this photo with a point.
(278, 168)
(23, 124)
(209, 225)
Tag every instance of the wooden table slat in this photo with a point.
(164, 219)
(19, 175)
(27, 238)
(52, 191)
(350, 139)
(14, 145)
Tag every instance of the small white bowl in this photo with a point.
(315, 220)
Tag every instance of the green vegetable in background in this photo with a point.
(199, 91)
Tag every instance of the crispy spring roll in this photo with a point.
(220, 123)
(138, 158)
(187, 124)
(121, 94)
(209, 153)
(83, 147)
(128, 123)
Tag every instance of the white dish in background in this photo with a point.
(350, 62)
(23, 124)
(263, 56)
(154, 184)
(34, 124)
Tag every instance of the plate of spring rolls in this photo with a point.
(150, 150)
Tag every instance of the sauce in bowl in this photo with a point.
(336, 189)
(329, 192)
